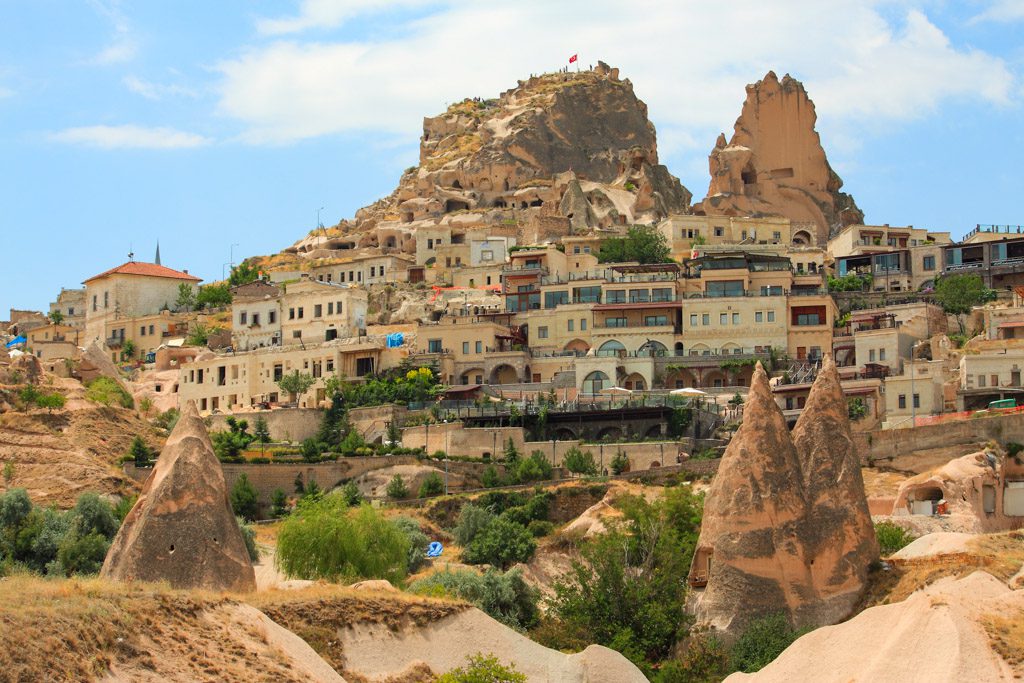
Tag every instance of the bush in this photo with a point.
(418, 541)
(108, 392)
(244, 498)
(473, 519)
(534, 468)
(167, 419)
(504, 596)
(325, 539)
(892, 537)
(140, 453)
(350, 492)
(93, 515)
(249, 538)
(490, 477)
(124, 506)
(82, 554)
(483, 669)
(579, 462)
(397, 489)
(540, 527)
(501, 544)
(620, 462)
(763, 640)
(704, 659)
(278, 503)
(432, 485)
(311, 450)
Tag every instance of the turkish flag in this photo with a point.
(572, 59)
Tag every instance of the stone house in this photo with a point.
(314, 311)
(256, 315)
(71, 304)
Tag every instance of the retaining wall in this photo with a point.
(285, 424)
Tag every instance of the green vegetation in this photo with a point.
(482, 668)
(249, 538)
(957, 294)
(296, 383)
(851, 282)
(199, 335)
(856, 408)
(580, 462)
(244, 498)
(397, 488)
(620, 462)
(228, 445)
(892, 537)
(213, 296)
(418, 541)
(51, 541)
(432, 485)
(31, 395)
(108, 392)
(167, 419)
(278, 503)
(501, 543)
(763, 640)
(644, 244)
(243, 274)
(490, 477)
(326, 539)
(534, 468)
(139, 453)
(504, 596)
(401, 385)
(56, 317)
(186, 300)
(127, 350)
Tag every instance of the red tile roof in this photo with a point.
(146, 269)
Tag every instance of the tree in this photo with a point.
(213, 296)
(350, 492)
(490, 477)
(278, 503)
(198, 336)
(243, 274)
(51, 401)
(244, 498)
(296, 383)
(856, 409)
(642, 243)
(534, 468)
(310, 449)
(580, 462)
(394, 434)
(501, 544)
(763, 640)
(958, 294)
(432, 485)
(481, 668)
(56, 317)
(397, 488)
(736, 401)
(140, 452)
(620, 462)
(128, 349)
(261, 432)
(511, 454)
(186, 300)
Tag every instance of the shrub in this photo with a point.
(140, 453)
(108, 392)
(397, 488)
(124, 506)
(311, 450)
(501, 544)
(51, 401)
(580, 462)
(82, 554)
(763, 640)
(482, 668)
(620, 462)
(325, 539)
(490, 477)
(244, 498)
(432, 485)
(418, 541)
(892, 537)
(93, 515)
(278, 503)
(534, 468)
(350, 492)
(167, 419)
(249, 538)
(540, 527)
(703, 659)
(504, 596)
(473, 519)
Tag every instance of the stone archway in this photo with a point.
(504, 374)
(577, 345)
(565, 434)
(470, 376)
(610, 433)
(714, 379)
(681, 378)
(612, 347)
(635, 381)
(595, 382)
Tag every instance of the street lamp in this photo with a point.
(231, 255)
(446, 456)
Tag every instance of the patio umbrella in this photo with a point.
(616, 390)
(687, 391)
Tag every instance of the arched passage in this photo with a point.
(472, 376)
(652, 348)
(577, 345)
(595, 382)
(612, 347)
(636, 382)
(504, 374)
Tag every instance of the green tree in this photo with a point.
(580, 462)
(51, 401)
(311, 450)
(534, 468)
(397, 489)
(244, 498)
(620, 462)
(501, 544)
(351, 493)
(128, 349)
(261, 433)
(432, 485)
(213, 296)
(958, 294)
(736, 401)
(199, 335)
(56, 317)
(481, 668)
(296, 383)
(473, 519)
(490, 477)
(243, 274)
(141, 453)
(186, 300)
(278, 503)
(394, 434)
(511, 453)
(642, 243)
(856, 409)
(762, 641)
(506, 596)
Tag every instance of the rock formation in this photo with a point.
(559, 153)
(774, 164)
(776, 536)
(182, 529)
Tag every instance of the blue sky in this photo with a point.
(206, 125)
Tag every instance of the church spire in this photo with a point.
(157, 259)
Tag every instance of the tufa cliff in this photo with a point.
(561, 153)
(774, 163)
(786, 525)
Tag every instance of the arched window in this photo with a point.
(611, 348)
(652, 348)
(595, 382)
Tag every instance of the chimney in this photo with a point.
(185, 271)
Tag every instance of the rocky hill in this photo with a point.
(774, 163)
(561, 153)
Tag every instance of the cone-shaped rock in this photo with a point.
(838, 532)
(182, 529)
(749, 553)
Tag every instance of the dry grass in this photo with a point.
(1006, 634)
(1001, 555)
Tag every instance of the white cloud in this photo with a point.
(328, 14)
(5, 92)
(156, 91)
(130, 137)
(689, 61)
(1002, 11)
(123, 46)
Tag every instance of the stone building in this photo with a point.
(71, 305)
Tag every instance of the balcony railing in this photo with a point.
(114, 342)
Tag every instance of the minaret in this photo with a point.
(157, 259)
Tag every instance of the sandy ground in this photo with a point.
(936, 635)
(939, 543)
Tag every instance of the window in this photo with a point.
(719, 231)
(881, 354)
(296, 334)
(552, 299)
(735, 318)
(929, 263)
(595, 382)
(917, 400)
(291, 314)
(142, 331)
(300, 312)
(615, 296)
(725, 288)
(364, 366)
(771, 316)
(337, 308)
(705, 319)
(479, 348)
(615, 322)
(655, 320)
(571, 324)
(771, 290)
(318, 310)
(723, 318)
(106, 299)
(871, 356)
(759, 317)
(382, 271)
(661, 294)
(776, 236)
(583, 324)
(981, 380)
(243, 318)
(995, 380)
(359, 276)
(586, 249)
(373, 271)
(433, 346)
(808, 319)
(611, 348)
(151, 328)
(693, 320)
(639, 296)
(272, 317)
(94, 302)
(330, 308)
(330, 365)
(465, 348)
(542, 332)
(586, 295)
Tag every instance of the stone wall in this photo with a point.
(285, 424)
(372, 423)
(892, 443)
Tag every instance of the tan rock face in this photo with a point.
(786, 526)
(182, 529)
(775, 164)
